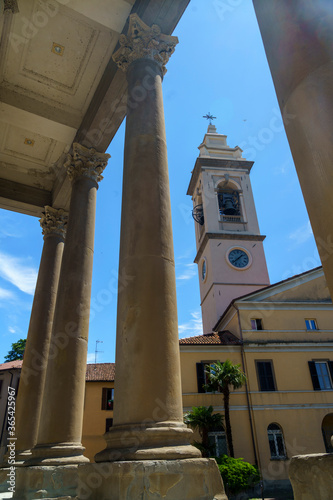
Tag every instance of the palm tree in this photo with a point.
(220, 377)
(202, 418)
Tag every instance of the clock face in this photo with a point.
(238, 258)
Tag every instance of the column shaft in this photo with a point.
(59, 439)
(148, 417)
(33, 372)
(298, 40)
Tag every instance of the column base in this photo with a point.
(193, 479)
(21, 457)
(47, 482)
(57, 454)
(158, 441)
(311, 476)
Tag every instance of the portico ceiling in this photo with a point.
(59, 84)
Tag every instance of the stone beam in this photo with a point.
(22, 198)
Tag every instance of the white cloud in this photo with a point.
(14, 270)
(302, 234)
(188, 273)
(193, 327)
(6, 294)
(91, 357)
(11, 329)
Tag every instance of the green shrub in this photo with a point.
(237, 475)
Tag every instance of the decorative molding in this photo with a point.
(54, 221)
(86, 162)
(11, 6)
(143, 42)
(226, 235)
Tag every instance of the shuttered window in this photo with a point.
(265, 374)
(321, 372)
(107, 398)
(202, 376)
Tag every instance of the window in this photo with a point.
(202, 376)
(276, 442)
(108, 424)
(311, 324)
(1, 381)
(322, 374)
(218, 443)
(256, 324)
(265, 374)
(107, 398)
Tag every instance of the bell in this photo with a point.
(229, 207)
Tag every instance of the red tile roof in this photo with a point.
(220, 338)
(101, 372)
(11, 365)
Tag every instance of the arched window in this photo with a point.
(229, 205)
(276, 442)
(218, 442)
(327, 430)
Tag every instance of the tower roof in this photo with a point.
(215, 145)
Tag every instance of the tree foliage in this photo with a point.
(222, 376)
(16, 351)
(237, 475)
(202, 418)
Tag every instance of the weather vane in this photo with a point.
(209, 117)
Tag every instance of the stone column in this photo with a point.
(148, 418)
(59, 438)
(30, 395)
(298, 40)
(29, 398)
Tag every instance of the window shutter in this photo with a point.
(201, 377)
(314, 376)
(104, 398)
(330, 365)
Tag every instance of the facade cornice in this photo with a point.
(209, 348)
(225, 163)
(285, 306)
(226, 236)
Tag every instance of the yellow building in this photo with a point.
(282, 337)
(98, 406)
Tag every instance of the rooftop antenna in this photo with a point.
(209, 117)
(96, 350)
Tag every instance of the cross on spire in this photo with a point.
(209, 117)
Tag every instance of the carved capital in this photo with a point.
(54, 221)
(10, 6)
(86, 162)
(142, 41)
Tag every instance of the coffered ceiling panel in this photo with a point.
(61, 61)
(59, 84)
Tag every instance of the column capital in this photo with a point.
(10, 6)
(86, 162)
(143, 42)
(54, 221)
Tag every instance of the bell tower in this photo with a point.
(230, 254)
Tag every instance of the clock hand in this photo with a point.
(238, 258)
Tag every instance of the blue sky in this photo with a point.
(219, 66)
